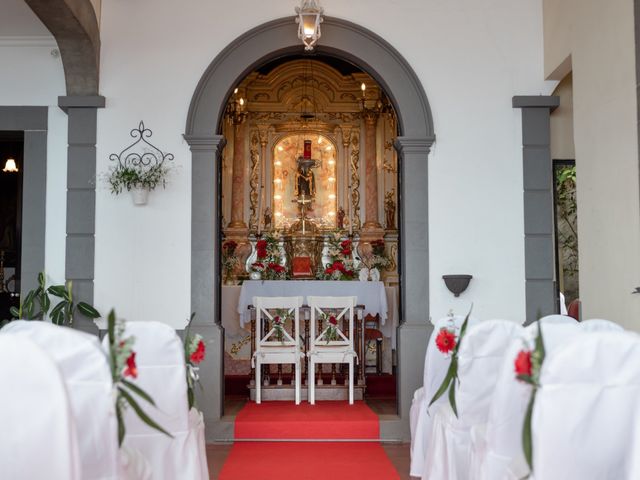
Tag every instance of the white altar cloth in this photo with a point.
(370, 294)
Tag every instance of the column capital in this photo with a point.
(536, 101)
(413, 145)
(80, 101)
(205, 143)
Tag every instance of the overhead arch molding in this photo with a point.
(74, 25)
(278, 38)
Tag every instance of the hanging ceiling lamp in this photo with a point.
(10, 166)
(309, 19)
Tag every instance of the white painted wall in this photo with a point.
(599, 42)
(32, 76)
(471, 57)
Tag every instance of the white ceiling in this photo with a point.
(17, 19)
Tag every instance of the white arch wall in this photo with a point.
(471, 60)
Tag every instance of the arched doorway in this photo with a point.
(345, 40)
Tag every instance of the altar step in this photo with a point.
(286, 392)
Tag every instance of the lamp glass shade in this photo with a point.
(10, 166)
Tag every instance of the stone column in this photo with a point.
(539, 265)
(371, 228)
(82, 112)
(237, 185)
(413, 333)
(205, 278)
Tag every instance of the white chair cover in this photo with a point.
(497, 449)
(38, 438)
(267, 351)
(87, 376)
(586, 418)
(600, 325)
(435, 369)
(479, 358)
(557, 319)
(162, 374)
(339, 351)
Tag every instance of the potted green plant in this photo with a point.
(138, 180)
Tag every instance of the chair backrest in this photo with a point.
(342, 308)
(162, 374)
(600, 325)
(87, 376)
(511, 396)
(39, 438)
(267, 309)
(479, 359)
(557, 319)
(586, 417)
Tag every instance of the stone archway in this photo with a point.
(374, 55)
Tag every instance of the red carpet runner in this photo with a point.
(287, 458)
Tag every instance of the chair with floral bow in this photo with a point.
(278, 338)
(329, 342)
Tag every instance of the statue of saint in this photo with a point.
(305, 179)
(390, 210)
(340, 218)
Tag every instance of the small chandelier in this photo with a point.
(10, 166)
(309, 19)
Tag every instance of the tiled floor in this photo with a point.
(397, 453)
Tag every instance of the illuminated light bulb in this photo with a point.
(319, 140)
(277, 197)
(328, 148)
(331, 179)
(309, 31)
(332, 196)
(280, 148)
(235, 91)
(363, 87)
(241, 101)
(332, 161)
(277, 180)
(277, 163)
(278, 214)
(332, 214)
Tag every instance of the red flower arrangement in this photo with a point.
(276, 267)
(261, 249)
(446, 340)
(131, 370)
(345, 247)
(523, 364)
(198, 356)
(333, 321)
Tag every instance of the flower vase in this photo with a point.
(140, 196)
(255, 275)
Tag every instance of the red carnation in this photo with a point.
(261, 248)
(198, 355)
(523, 363)
(131, 370)
(329, 270)
(446, 340)
(333, 321)
(346, 251)
(345, 243)
(277, 319)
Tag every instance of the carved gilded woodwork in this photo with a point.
(254, 181)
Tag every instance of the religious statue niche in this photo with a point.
(304, 179)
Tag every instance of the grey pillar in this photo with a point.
(413, 333)
(205, 279)
(538, 204)
(81, 198)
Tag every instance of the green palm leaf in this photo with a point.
(141, 414)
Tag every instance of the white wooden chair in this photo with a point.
(324, 350)
(270, 349)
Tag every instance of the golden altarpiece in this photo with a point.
(309, 154)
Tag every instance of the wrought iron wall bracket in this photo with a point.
(141, 153)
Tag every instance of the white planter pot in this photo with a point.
(140, 196)
(255, 275)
